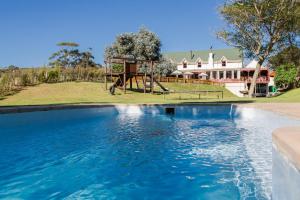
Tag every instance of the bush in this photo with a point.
(53, 77)
(42, 76)
(117, 68)
(25, 79)
(11, 79)
(286, 76)
(4, 84)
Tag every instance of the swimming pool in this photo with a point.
(134, 152)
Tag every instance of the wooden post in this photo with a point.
(130, 83)
(124, 80)
(137, 83)
(145, 81)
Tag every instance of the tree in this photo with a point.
(70, 56)
(122, 47)
(165, 67)
(260, 28)
(68, 44)
(286, 76)
(147, 45)
(67, 56)
(289, 55)
(142, 45)
(12, 67)
(86, 59)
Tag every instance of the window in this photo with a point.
(199, 64)
(235, 74)
(184, 65)
(223, 63)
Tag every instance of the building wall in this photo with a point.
(229, 65)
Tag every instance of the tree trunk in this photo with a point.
(254, 78)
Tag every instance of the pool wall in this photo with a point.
(286, 164)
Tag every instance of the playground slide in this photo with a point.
(118, 83)
(160, 85)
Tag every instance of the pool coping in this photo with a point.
(287, 142)
(34, 108)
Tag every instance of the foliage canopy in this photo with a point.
(143, 45)
(286, 76)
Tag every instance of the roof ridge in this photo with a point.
(233, 48)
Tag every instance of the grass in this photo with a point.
(87, 92)
(288, 97)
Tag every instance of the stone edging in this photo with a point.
(287, 141)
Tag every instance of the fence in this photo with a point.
(190, 80)
(199, 93)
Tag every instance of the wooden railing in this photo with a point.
(219, 94)
(190, 80)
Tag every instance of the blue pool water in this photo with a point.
(202, 152)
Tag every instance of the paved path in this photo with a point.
(289, 109)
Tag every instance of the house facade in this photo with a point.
(223, 65)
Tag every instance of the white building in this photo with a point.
(223, 65)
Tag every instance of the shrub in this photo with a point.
(286, 76)
(11, 79)
(42, 76)
(53, 77)
(117, 68)
(4, 84)
(25, 79)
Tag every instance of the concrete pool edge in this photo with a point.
(287, 109)
(286, 163)
(287, 142)
(34, 108)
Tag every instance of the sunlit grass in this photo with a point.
(87, 92)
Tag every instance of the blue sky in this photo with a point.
(30, 29)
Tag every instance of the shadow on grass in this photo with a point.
(10, 93)
(140, 90)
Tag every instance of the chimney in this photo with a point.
(211, 59)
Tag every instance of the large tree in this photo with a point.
(70, 56)
(165, 67)
(260, 28)
(289, 55)
(67, 56)
(86, 59)
(142, 45)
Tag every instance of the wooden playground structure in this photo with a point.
(130, 73)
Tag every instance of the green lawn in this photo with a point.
(87, 92)
(290, 96)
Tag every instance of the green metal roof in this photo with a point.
(230, 54)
